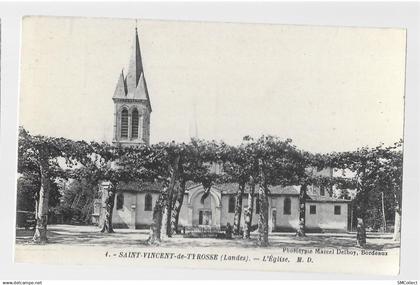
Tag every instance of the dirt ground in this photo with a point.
(91, 236)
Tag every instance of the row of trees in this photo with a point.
(255, 163)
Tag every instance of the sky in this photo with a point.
(326, 88)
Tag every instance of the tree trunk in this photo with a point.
(109, 209)
(263, 218)
(40, 235)
(361, 233)
(238, 209)
(164, 223)
(302, 211)
(397, 222)
(249, 211)
(36, 198)
(168, 213)
(155, 228)
(384, 227)
(360, 228)
(361, 197)
(397, 225)
(177, 207)
(162, 203)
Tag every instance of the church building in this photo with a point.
(133, 207)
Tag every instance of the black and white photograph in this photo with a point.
(210, 145)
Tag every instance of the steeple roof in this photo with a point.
(133, 86)
(135, 67)
(121, 89)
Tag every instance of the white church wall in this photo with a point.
(134, 215)
(144, 218)
(229, 217)
(325, 219)
(183, 214)
(226, 217)
(283, 221)
(123, 218)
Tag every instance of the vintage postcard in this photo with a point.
(210, 145)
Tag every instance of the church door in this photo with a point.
(204, 217)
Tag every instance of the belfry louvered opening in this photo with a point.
(135, 124)
(124, 123)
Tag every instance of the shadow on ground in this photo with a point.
(91, 236)
(62, 235)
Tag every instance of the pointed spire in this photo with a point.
(142, 92)
(121, 89)
(135, 67)
(133, 85)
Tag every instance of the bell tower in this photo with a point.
(132, 106)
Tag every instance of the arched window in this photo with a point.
(124, 123)
(231, 206)
(120, 201)
(135, 124)
(287, 206)
(148, 202)
(257, 205)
